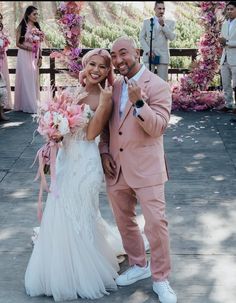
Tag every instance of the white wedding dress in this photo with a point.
(72, 256)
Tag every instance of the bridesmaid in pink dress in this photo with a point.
(5, 72)
(28, 62)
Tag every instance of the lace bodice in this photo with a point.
(79, 134)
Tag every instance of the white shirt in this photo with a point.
(231, 22)
(124, 93)
(156, 22)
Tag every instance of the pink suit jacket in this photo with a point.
(136, 144)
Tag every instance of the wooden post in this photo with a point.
(52, 75)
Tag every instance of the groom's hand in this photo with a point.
(109, 166)
(134, 91)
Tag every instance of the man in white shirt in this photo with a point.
(228, 58)
(162, 32)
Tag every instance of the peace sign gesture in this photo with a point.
(106, 93)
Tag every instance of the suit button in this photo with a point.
(121, 149)
(120, 133)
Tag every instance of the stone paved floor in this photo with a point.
(201, 209)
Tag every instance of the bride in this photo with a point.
(75, 251)
(72, 257)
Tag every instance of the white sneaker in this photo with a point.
(164, 292)
(134, 274)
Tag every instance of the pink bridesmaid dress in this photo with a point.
(5, 72)
(27, 79)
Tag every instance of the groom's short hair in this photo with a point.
(128, 39)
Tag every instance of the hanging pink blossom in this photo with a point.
(191, 93)
(71, 24)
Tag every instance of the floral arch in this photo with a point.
(191, 92)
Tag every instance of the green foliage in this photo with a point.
(99, 36)
(53, 38)
(103, 35)
(113, 8)
(97, 11)
(148, 9)
(133, 13)
(188, 32)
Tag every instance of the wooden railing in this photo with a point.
(52, 70)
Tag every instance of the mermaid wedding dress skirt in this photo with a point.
(72, 256)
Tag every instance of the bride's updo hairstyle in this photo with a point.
(107, 58)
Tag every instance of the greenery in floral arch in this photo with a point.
(191, 92)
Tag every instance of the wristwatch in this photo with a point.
(139, 103)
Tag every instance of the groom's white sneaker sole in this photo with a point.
(164, 292)
(133, 274)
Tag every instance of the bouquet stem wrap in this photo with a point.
(46, 155)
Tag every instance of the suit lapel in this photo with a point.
(224, 30)
(233, 28)
(126, 111)
(155, 29)
(117, 102)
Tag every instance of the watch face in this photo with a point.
(139, 103)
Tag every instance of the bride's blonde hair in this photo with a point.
(107, 58)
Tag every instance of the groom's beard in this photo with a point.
(130, 68)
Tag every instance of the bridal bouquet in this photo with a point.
(4, 41)
(35, 37)
(62, 114)
(57, 117)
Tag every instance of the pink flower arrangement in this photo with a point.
(71, 58)
(4, 41)
(35, 37)
(60, 116)
(57, 117)
(71, 24)
(191, 93)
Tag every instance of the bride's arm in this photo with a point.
(102, 113)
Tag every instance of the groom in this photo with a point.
(134, 164)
